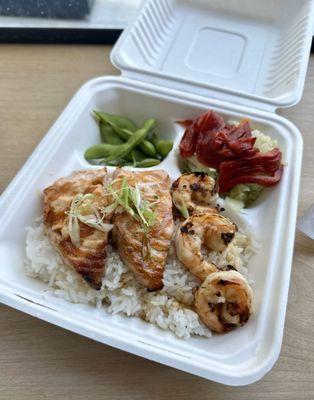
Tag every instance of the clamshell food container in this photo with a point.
(178, 58)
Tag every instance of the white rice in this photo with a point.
(237, 254)
(169, 308)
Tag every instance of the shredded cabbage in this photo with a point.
(249, 192)
(263, 143)
(246, 192)
(234, 205)
(192, 164)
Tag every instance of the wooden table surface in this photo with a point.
(41, 361)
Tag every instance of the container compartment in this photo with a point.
(252, 47)
(239, 357)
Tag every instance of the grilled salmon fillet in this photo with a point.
(89, 258)
(145, 254)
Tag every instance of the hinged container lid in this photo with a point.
(250, 52)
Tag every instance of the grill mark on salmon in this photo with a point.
(89, 258)
(127, 232)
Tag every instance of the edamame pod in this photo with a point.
(100, 150)
(154, 139)
(124, 134)
(119, 120)
(163, 147)
(125, 128)
(108, 135)
(147, 162)
(124, 143)
(117, 163)
(122, 150)
(137, 155)
(147, 147)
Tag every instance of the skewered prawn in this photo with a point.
(209, 229)
(224, 301)
(193, 193)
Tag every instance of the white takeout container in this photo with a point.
(241, 58)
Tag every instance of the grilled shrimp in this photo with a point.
(224, 301)
(194, 193)
(209, 229)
